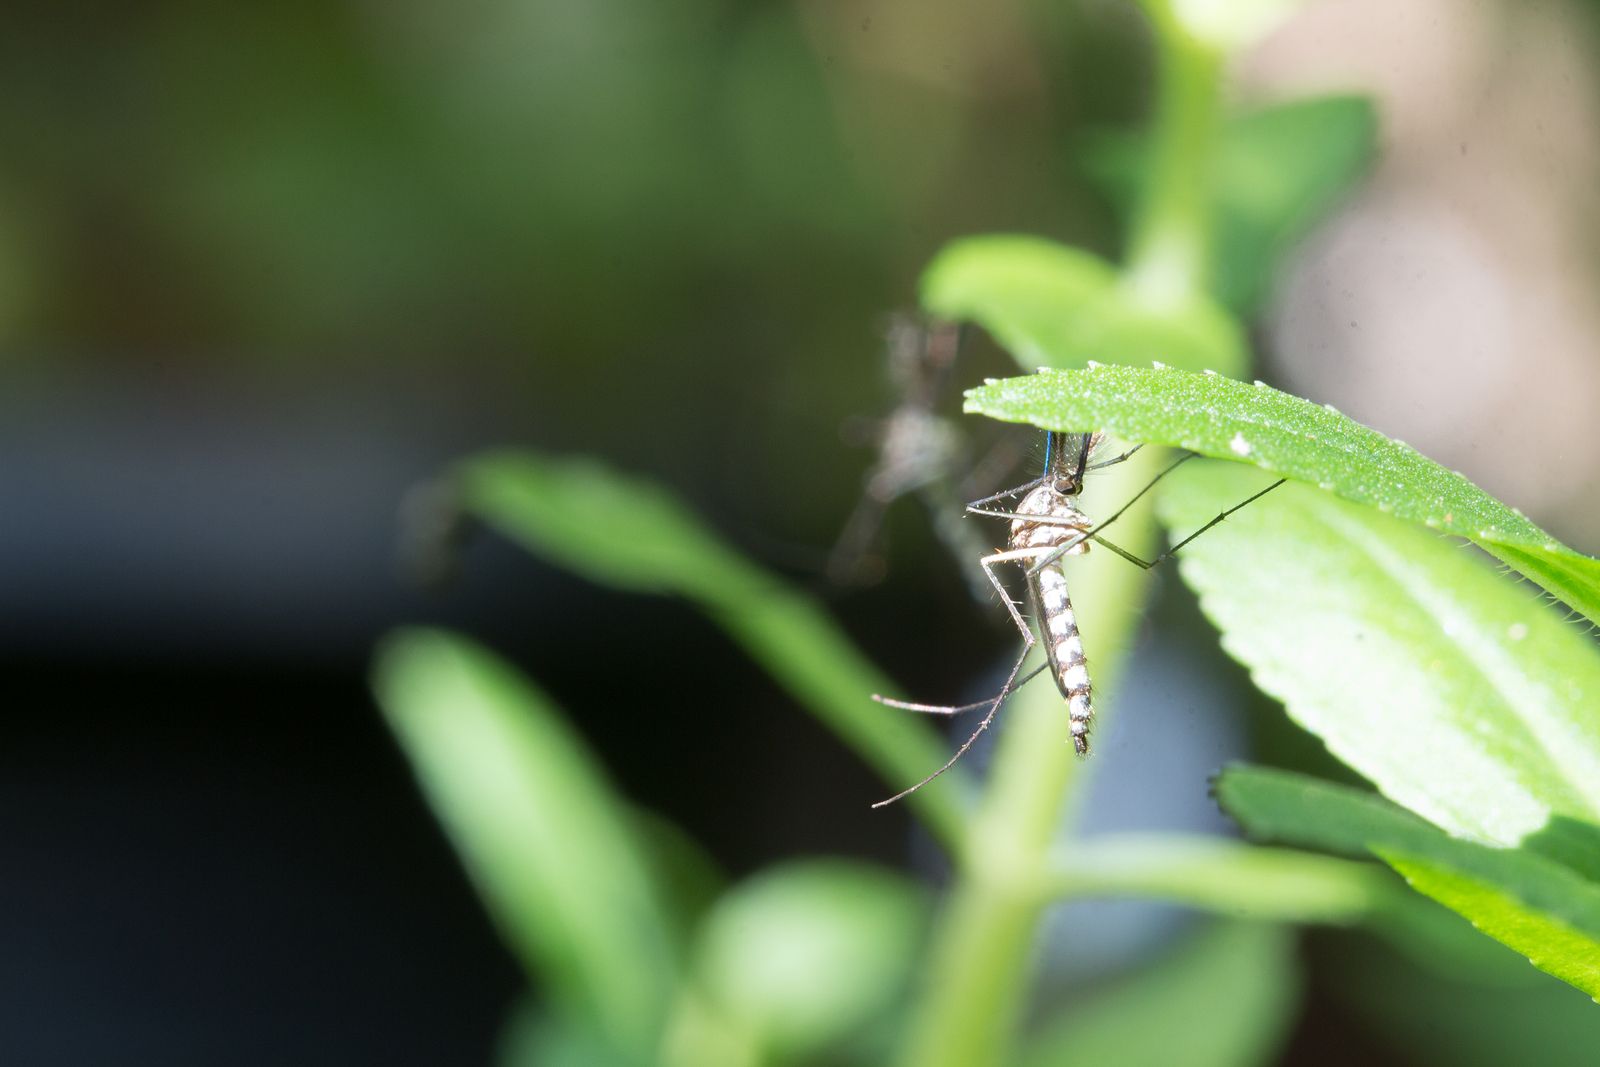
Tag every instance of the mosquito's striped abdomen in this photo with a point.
(1059, 628)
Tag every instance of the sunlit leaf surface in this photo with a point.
(1292, 437)
(1547, 911)
(1459, 693)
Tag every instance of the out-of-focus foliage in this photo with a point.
(1497, 1011)
(1228, 877)
(633, 535)
(804, 956)
(1054, 306)
(809, 962)
(1278, 171)
(545, 838)
(1170, 1013)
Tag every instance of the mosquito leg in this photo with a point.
(1005, 493)
(1015, 555)
(1151, 484)
(1114, 460)
(1173, 551)
(956, 709)
(994, 708)
(1146, 564)
(1042, 519)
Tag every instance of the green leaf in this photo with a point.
(534, 1037)
(803, 956)
(1225, 998)
(1507, 1013)
(1278, 171)
(1458, 693)
(1544, 910)
(633, 535)
(1550, 944)
(1051, 305)
(542, 834)
(1297, 439)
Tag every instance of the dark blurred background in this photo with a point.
(266, 268)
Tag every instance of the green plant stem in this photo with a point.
(1222, 875)
(983, 947)
(1168, 255)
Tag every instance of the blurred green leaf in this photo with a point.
(633, 535)
(1290, 436)
(1506, 1014)
(1229, 27)
(533, 1037)
(1225, 876)
(688, 879)
(1225, 998)
(1458, 693)
(803, 955)
(1544, 910)
(542, 834)
(1051, 305)
(1278, 170)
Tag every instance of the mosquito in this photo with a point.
(1046, 527)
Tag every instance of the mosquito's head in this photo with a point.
(1066, 458)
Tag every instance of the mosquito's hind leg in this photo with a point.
(957, 709)
(1015, 555)
(994, 708)
(1002, 494)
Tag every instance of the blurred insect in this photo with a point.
(434, 529)
(920, 452)
(1045, 527)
